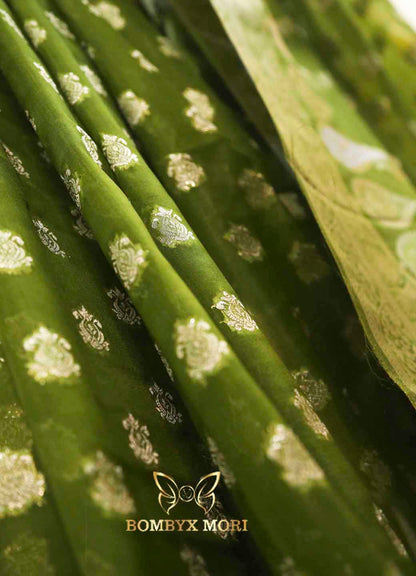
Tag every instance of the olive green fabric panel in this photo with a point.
(321, 180)
(36, 342)
(348, 49)
(31, 535)
(395, 43)
(127, 388)
(296, 352)
(201, 275)
(228, 387)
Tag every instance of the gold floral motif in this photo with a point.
(200, 110)
(167, 48)
(258, 192)
(185, 172)
(200, 348)
(59, 25)
(13, 256)
(45, 76)
(50, 356)
(169, 228)
(10, 21)
(72, 87)
(298, 467)
(90, 146)
(316, 391)
(80, 225)
(21, 485)
(292, 203)
(128, 259)
(377, 472)
(234, 313)
(139, 441)
(36, 33)
(309, 264)
(217, 513)
(134, 109)
(43, 154)
(73, 185)
(108, 12)
(397, 543)
(108, 490)
(31, 121)
(118, 153)
(248, 247)
(165, 363)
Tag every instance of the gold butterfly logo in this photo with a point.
(170, 493)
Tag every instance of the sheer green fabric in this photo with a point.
(353, 239)
(348, 48)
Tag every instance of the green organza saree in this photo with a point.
(185, 241)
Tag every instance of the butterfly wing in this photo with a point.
(204, 491)
(168, 491)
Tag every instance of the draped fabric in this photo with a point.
(207, 262)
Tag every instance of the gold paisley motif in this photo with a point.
(13, 256)
(139, 441)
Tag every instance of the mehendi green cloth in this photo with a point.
(383, 301)
(395, 43)
(293, 352)
(330, 107)
(31, 535)
(328, 461)
(126, 389)
(90, 381)
(189, 260)
(227, 380)
(350, 52)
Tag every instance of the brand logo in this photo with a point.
(202, 494)
(170, 494)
